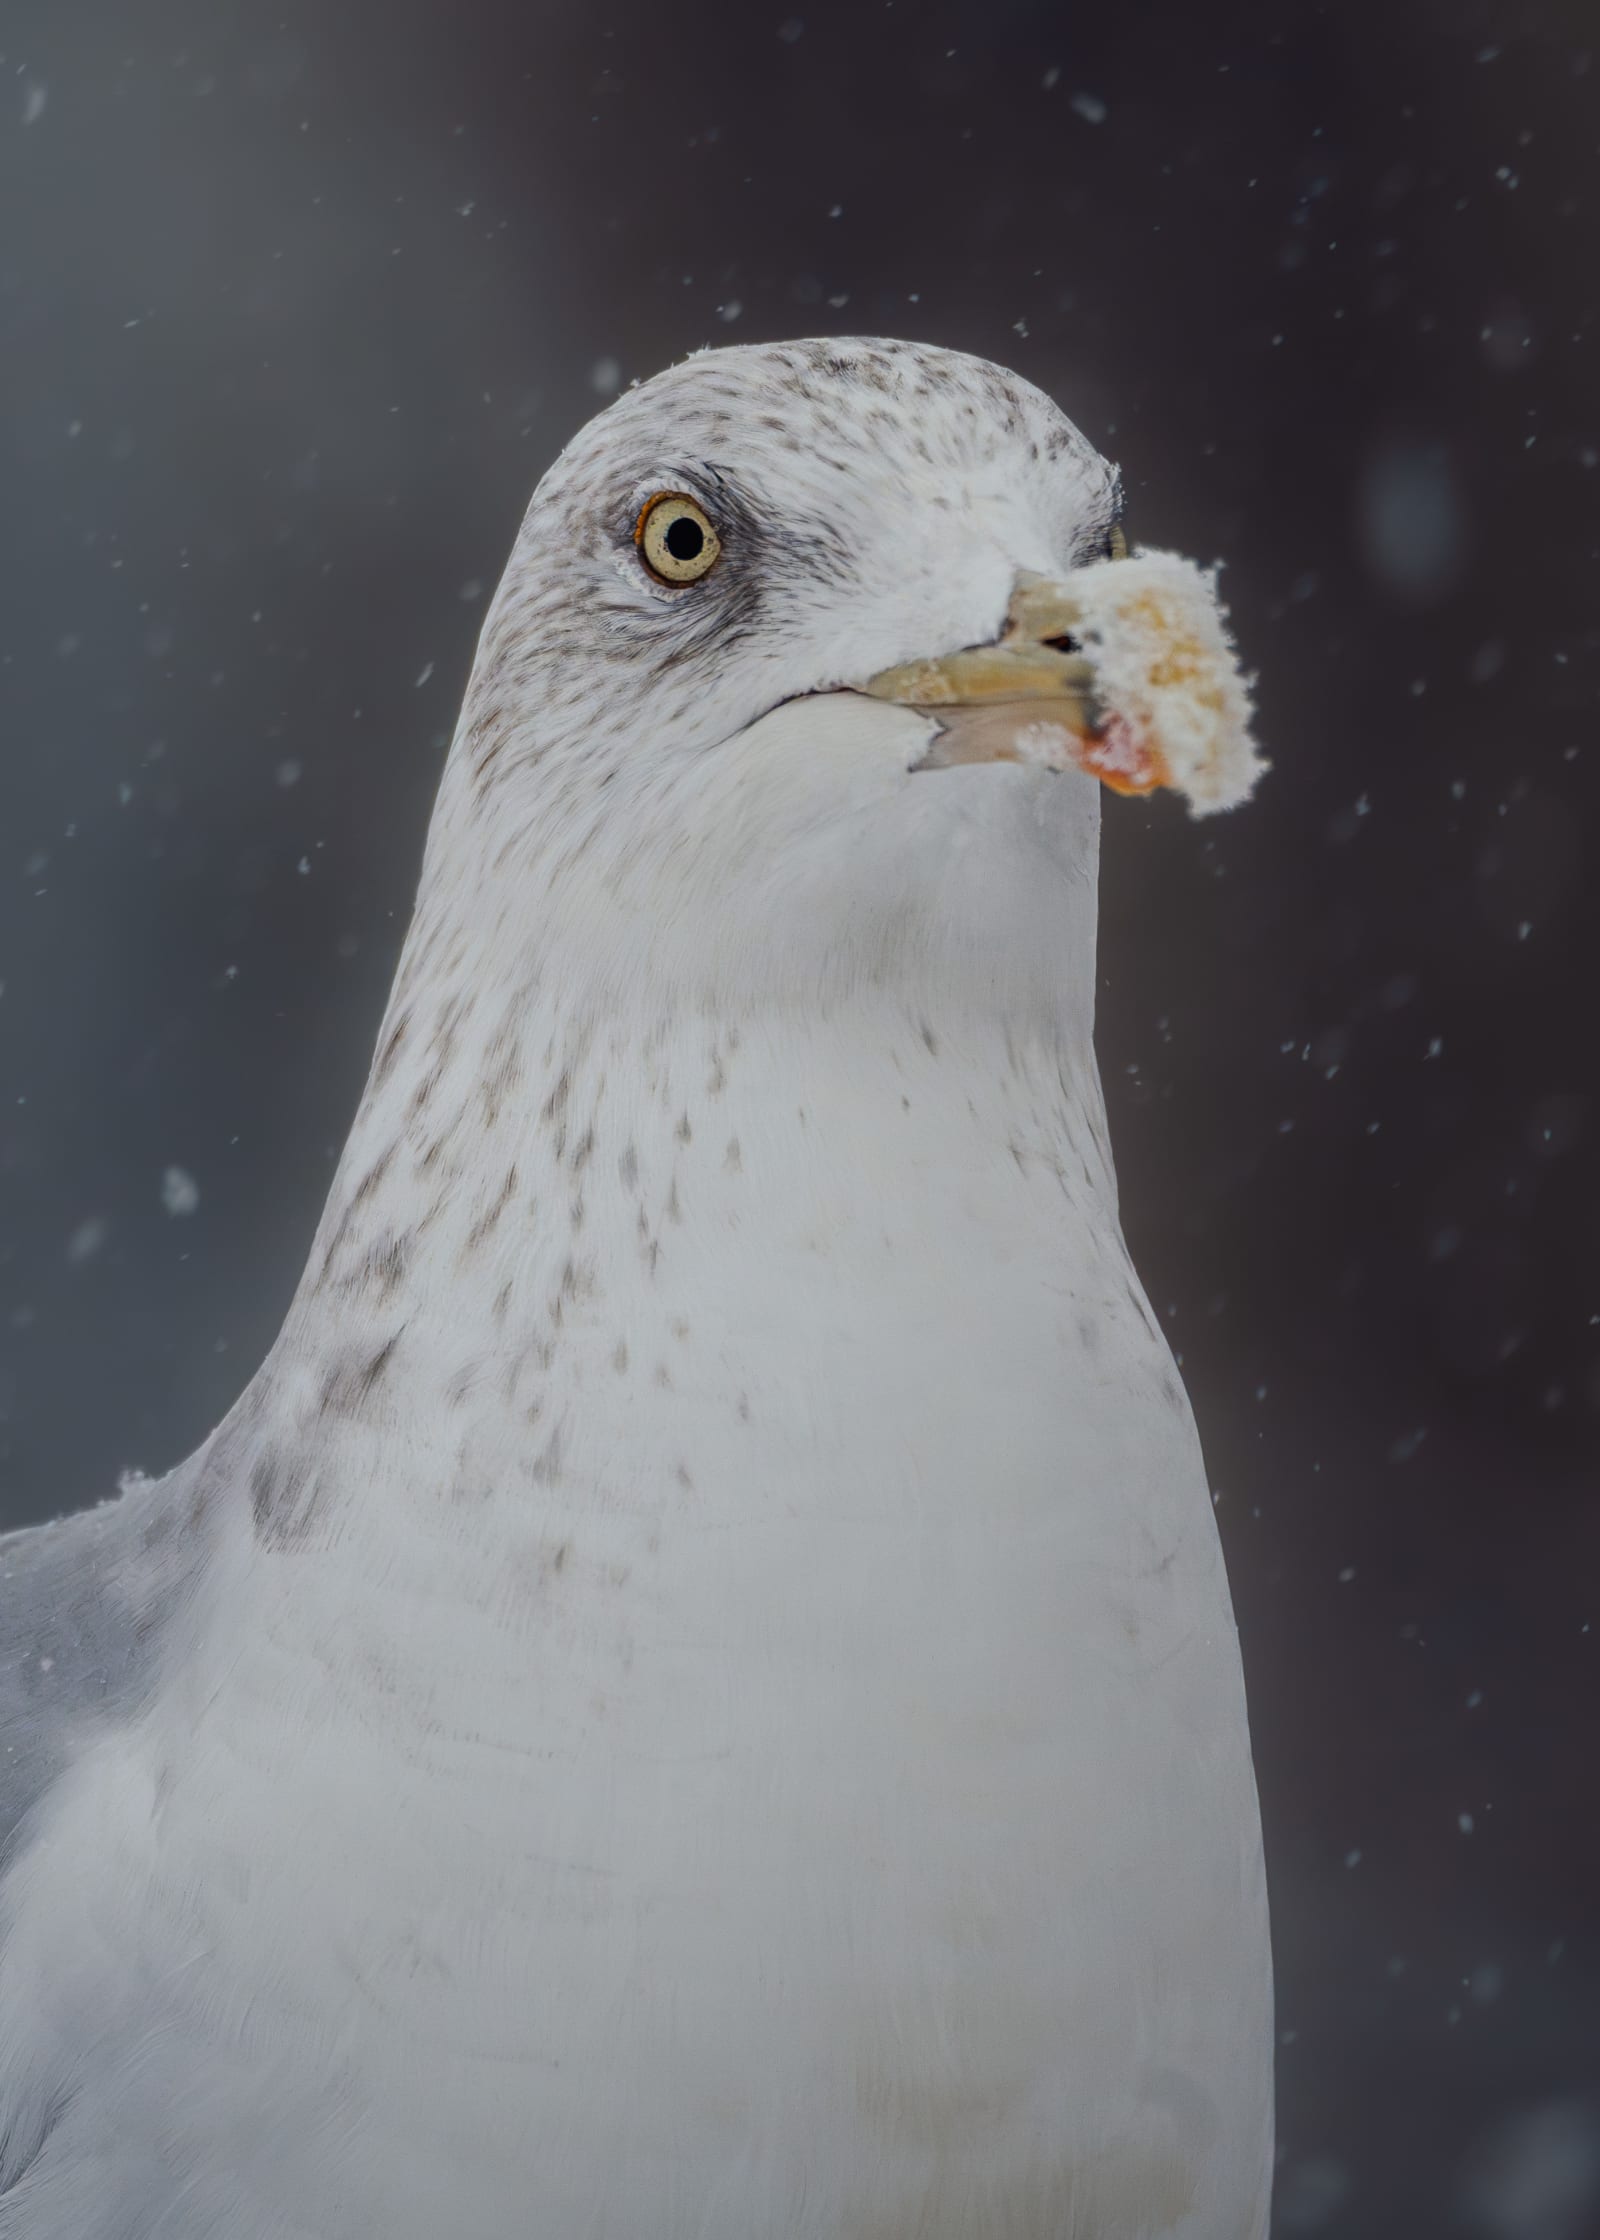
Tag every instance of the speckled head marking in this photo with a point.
(648, 762)
(852, 484)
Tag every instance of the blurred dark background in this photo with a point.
(297, 301)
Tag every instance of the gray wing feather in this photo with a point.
(81, 1605)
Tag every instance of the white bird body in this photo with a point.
(710, 1706)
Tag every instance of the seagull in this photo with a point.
(695, 1694)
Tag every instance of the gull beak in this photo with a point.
(1029, 697)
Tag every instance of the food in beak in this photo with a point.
(1124, 669)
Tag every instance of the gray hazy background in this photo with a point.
(297, 301)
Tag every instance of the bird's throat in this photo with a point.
(550, 1241)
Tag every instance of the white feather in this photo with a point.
(710, 1705)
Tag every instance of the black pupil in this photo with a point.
(685, 540)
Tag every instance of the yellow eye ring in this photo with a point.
(676, 539)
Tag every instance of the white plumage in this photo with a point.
(694, 1696)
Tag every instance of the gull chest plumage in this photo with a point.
(695, 1694)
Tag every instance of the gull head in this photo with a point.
(746, 711)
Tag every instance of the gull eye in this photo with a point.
(1116, 542)
(676, 540)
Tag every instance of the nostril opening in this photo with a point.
(1066, 643)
